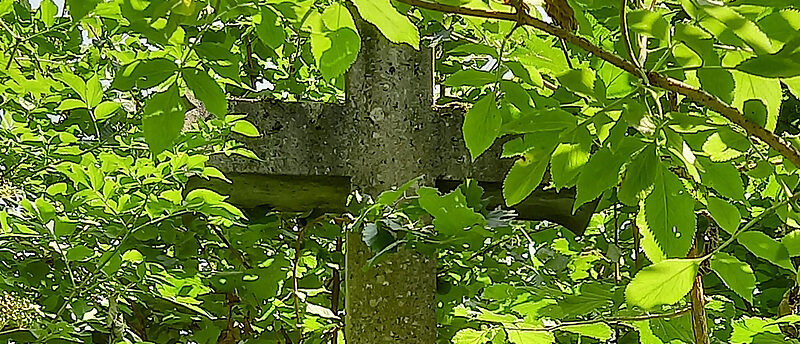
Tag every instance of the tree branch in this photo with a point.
(653, 78)
(611, 320)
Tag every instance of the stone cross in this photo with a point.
(386, 133)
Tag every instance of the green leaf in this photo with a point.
(94, 92)
(669, 212)
(395, 26)
(105, 109)
(207, 90)
(80, 252)
(649, 23)
(579, 80)
(725, 144)
(48, 12)
(74, 82)
(80, 8)
(481, 125)
(570, 156)
(766, 248)
(745, 29)
(450, 212)
(470, 77)
(388, 197)
(599, 331)
(133, 256)
(69, 104)
(245, 128)
(725, 214)
(471, 336)
(736, 275)
(269, 28)
(663, 283)
(6, 6)
(755, 87)
(599, 175)
(639, 176)
(529, 337)
(542, 120)
(792, 243)
(725, 178)
(527, 172)
(163, 120)
(344, 47)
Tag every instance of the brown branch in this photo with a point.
(653, 78)
(698, 300)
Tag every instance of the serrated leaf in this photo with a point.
(725, 179)
(395, 26)
(481, 125)
(639, 176)
(600, 174)
(744, 28)
(725, 144)
(663, 283)
(725, 214)
(755, 87)
(736, 275)
(766, 248)
(344, 47)
(669, 212)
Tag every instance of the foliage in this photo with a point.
(110, 108)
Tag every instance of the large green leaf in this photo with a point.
(663, 283)
(207, 90)
(744, 28)
(481, 125)
(639, 176)
(527, 172)
(345, 44)
(269, 27)
(755, 87)
(570, 156)
(395, 26)
(163, 119)
(766, 248)
(649, 23)
(600, 173)
(450, 212)
(80, 8)
(725, 178)
(736, 275)
(725, 214)
(669, 212)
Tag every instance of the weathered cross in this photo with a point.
(387, 132)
